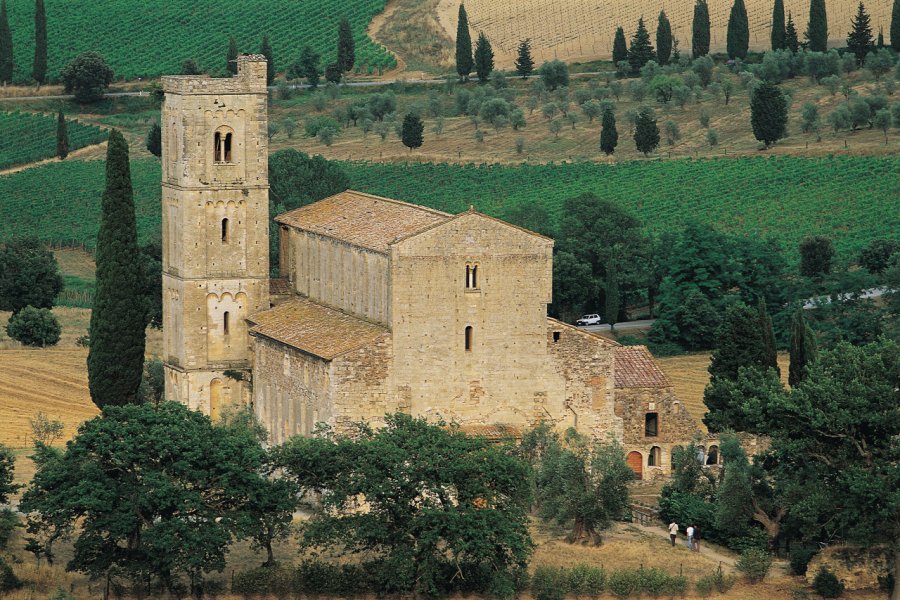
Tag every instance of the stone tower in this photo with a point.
(215, 203)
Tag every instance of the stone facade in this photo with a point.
(385, 306)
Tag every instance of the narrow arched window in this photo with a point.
(225, 322)
(468, 276)
(469, 338)
(475, 277)
(225, 231)
(227, 147)
(217, 146)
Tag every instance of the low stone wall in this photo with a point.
(858, 568)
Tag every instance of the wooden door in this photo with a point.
(636, 462)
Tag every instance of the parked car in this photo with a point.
(589, 320)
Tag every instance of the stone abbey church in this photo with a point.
(383, 306)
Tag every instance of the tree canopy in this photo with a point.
(87, 77)
(29, 275)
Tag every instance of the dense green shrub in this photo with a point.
(8, 523)
(677, 586)
(34, 327)
(827, 585)
(754, 563)
(624, 583)
(721, 581)
(799, 558)
(313, 125)
(654, 582)
(8, 579)
(549, 583)
(705, 585)
(585, 580)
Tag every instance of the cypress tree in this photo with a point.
(464, 62)
(895, 26)
(609, 137)
(663, 38)
(154, 140)
(778, 31)
(859, 40)
(612, 293)
(803, 348)
(817, 28)
(266, 50)
(738, 35)
(740, 342)
(700, 30)
(620, 47)
(791, 40)
(62, 137)
(646, 132)
(484, 58)
(524, 62)
(768, 113)
(6, 47)
(411, 132)
(880, 43)
(346, 54)
(39, 67)
(116, 358)
(770, 350)
(231, 57)
(640, 52)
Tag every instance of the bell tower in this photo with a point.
(215, 203)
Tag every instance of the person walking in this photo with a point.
(696, 547)
(673, 532)
(690, 537)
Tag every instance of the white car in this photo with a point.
(588, 320)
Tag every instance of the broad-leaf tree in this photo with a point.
(29, 275)
(87, 77)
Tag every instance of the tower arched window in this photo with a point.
(225, 324)
(470, 338)
(471, 277)
(223, 140)
(224, 231)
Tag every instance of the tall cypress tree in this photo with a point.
(524, 62)
(62, 137)
(817, 28)
(895, 26)
(663, 38)
(484, 58)
(700, 30)
(612, 293)
(768, 113)
(116, 358)
(640, 52)
(346, 53)
(770, 356)
(791, 39)
(39, 67)
(6, 47)
(803, 348)
(231, 57)
(620, 46)
(778, 31)
(859, 40)
(609, 137)
(464, 62)
(646, 131)
(738, 35)
(266, 50)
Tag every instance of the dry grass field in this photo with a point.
(457, 142)
(582, 30)
(689, 376)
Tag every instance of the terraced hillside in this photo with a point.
(29, 137)
(850, 199)
(145, 38)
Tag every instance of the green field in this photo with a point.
(849, 199)
(29, 137)
(146, 38)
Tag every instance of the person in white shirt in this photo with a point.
(690, 537)
(673, 531)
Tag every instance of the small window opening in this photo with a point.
(469, 338)
(227, 147)
(225, 322)
(468, 276)
(475, 277)
(555, 336)
(653, 459)
(651, 425)
(712, 458)
(225, 230)
(217, 146)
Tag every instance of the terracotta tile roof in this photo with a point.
(635, 368)
(314, 329)
(496, 432)
(362, 219)
(279, 287)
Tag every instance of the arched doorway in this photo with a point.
(712, 457)
(636, 463)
